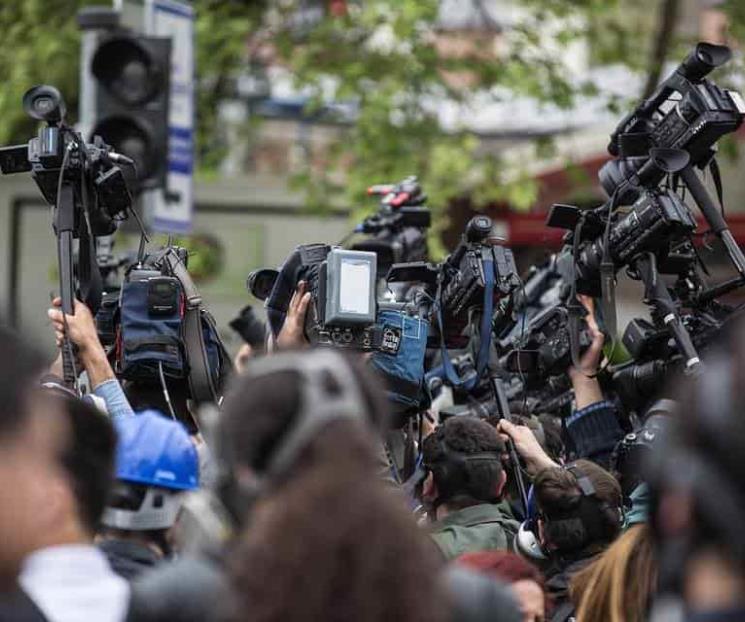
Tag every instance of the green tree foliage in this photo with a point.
(382, 55)
(40, 44)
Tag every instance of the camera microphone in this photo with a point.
(119, 158)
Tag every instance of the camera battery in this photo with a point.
(163, 294)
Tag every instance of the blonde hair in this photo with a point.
(617, 586)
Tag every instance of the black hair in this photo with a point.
(146, 395)
(20, 367)
(469, 483)
(253, 436)
(88, 458)
(579, 521)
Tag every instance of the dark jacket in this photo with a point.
(189, 589)
(558, 580)
(16, 606)
(129, 559)
(482, 527)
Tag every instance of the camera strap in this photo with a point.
(482, 359)
(200, 379)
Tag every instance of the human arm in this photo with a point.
(586, 387)
(526, 446)
(81, 330)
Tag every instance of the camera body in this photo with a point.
(343, 307)
(658, 220)
(396, 236)
(104, 182)
(687, 112)
(543, 349)
(397, 232)
(463, 278)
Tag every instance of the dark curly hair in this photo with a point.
(463, 485)
(558, 495)
(331, 541)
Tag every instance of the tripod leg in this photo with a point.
(713, 217)
(658, 296)
(65, 223)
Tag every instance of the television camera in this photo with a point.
(87, 189)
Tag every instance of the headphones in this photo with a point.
(526, 541)
(575, 525)
(320, 405)
(451, 463)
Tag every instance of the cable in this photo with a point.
(165, 390)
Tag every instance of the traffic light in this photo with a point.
(132, 75)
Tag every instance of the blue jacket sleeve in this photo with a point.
(594, 432)
(117, 403)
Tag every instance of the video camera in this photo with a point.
(658, 222)
(87, 189)
(59, 155)
(478, 274)
(686, 112)
(397, 232)
(656, 358)
(342, 285)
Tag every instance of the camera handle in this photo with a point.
(503, 408)
(64, 220)
(713, 217)
(657, 295)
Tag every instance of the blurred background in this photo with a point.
(283, 112)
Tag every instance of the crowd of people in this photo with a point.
(283, 505)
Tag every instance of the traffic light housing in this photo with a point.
(132, 74)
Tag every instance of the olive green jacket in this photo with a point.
(482, 527)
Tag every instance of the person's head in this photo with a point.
(87, 461)
(618, 586)
(273, 411)
(156, 462)
(580, 507)
(526, 581)
(464, 459)
(329, 539)
(696, 476)
(554, 444)
(31, 432)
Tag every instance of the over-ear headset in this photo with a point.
(451, 470)
(579, 521)
(321, 403)
(583, 519)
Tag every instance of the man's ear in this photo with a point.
(429, 488)
(500, 484)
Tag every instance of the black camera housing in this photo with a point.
(694, 120)
(397, 232)
(463, 281)
(658, 220)
(544, 349)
